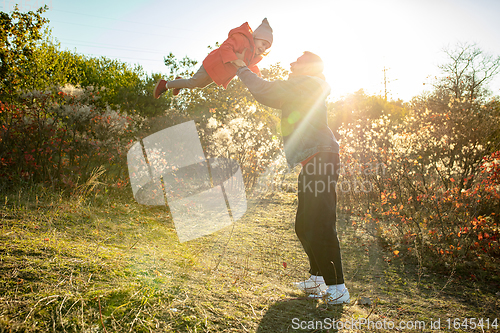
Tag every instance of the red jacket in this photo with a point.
(218, 62)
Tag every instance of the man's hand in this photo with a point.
(240, 61)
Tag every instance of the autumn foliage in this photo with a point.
(424, 175)
(428, 183)
(59, 136)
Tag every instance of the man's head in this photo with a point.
(307, 64)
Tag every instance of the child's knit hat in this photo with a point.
(264, 31)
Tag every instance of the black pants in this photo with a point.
(316, 218)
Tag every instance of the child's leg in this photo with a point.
(199, 80)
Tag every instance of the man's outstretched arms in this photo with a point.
(269, 93)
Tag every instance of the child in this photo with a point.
(218, 65)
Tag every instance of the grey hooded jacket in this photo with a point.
(304, 120)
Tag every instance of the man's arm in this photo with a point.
(270, 93)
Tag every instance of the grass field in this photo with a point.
(107, 264)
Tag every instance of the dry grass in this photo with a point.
(110, 265)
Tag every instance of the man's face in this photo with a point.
(300, 66)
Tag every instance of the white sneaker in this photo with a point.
(334, 296)
(312, 287)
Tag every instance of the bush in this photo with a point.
(243, 137)
(60, 136)
(428, 184)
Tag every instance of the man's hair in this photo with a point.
(315, 61)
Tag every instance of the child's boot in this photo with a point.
(160, 88)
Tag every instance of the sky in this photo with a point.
(357, 39)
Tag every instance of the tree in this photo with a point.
(461, 114)
(30, 59)
(468, 72)
(51, 67)
(231, 123)
(121, 85)
(360, 105)
(19, 35)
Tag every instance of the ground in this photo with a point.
(107, 264)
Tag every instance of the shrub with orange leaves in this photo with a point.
(431, 181)
(60, 136)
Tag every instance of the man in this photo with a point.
(309, 141)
